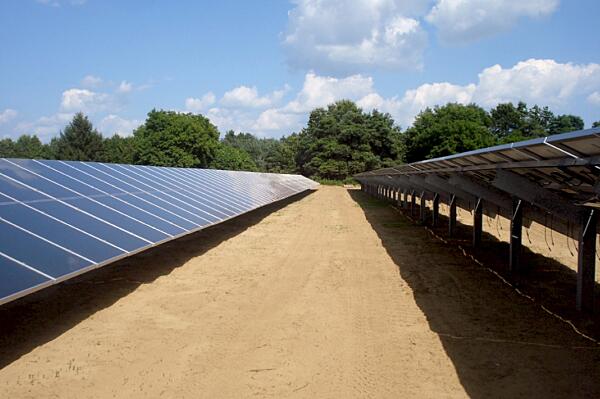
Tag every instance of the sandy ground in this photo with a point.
(334, 295)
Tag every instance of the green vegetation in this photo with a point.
(448, 130)
(342, 140)
(169, 138)
(337, 142)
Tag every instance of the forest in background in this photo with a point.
(337, 142)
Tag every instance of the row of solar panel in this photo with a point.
(58, 219)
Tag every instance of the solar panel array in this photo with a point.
(59, 219)
(557, 178)
(564, 163)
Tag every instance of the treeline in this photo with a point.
(338, 141)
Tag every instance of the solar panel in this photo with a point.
(59, 219)
(557, 176)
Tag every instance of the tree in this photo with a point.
(342, 140)
(507, 121)
(119, 149)
(448, 130)
(281, 155)
(566, 123)
(231, 158)
(78, 142)
(255, 147)
(510, 123)
(596, 124)
(7, 148)
(30, 147)
(169, 138)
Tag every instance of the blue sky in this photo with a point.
(262, 66)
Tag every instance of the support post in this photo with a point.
(423, 208)
(477, 222)
(452, 216)
(586, 263)
(413, 203)
(516, 234)
(436, 210)
(405, 199)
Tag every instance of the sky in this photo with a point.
(262, 66)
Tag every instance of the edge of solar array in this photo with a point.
(39, 287)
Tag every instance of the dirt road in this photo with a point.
(332, 296)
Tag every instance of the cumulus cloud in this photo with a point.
(318, 91)
(406, 107)
(468, 20)
(535, 80)
(45, 127)
(275, 120)
(7, 115)
(84, 100)
(114, 124)
(248, 97)
(199, 104)
(544, 82)
(238, 119)
(349, 36)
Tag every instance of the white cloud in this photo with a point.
(413, 101)
(231, 118)
(540, 81)
(199, 104)
(276, 120)
(349, 36)
(248, 97)
(468, 20)
(7, 115)
(91, 82)
(114, 124)
(318, 91)
(84, 100)
(45, 127)
(594, 98)
(543, 82)
(125, 87)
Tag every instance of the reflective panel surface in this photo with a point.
(62, 218)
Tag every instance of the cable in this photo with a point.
(552, 228)
(568, 234)
(505, 281)
(545, 230)
(527, 231)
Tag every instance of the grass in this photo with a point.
(331, 182)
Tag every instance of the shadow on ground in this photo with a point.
(40, 317)
(501, 343)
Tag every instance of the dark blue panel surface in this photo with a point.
(60, 233)
(202, 201)
(223, 196)
(62, 217)
(37, 253)
(16, 278)
(90, 224)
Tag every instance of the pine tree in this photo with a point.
(79, 141)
